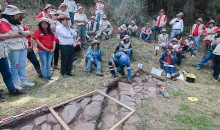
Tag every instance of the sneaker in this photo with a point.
(2, 99)
(56, 67)
(17, 86)
(64, 75)
(16, 92)
(198, 68)
(99, 73)
(88, 73)
(27, 84)
(45, 79)
(49, 78)
(175, 76)
(193, 56)
(71, 74)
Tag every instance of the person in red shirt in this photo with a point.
(45, 12)
(196, 31)
(160, 22)
(146, 33)
(46, 43)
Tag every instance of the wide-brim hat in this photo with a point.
(43, 19)
(190, 36)
(48, 6)
(162, 10)
(62, 5)
(104, 17)
(200, 20)
(100, 0)
(11, 10)
(164, 30)
(174, 40)
(95, 42)
(211, 21)
(53, 11)
(133, 22)
(63, 16)
(147, 24)
(80, 7)
(92, 17)
(123, 26)
(180, 14)
(126, 37)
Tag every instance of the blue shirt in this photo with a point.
(95, 54)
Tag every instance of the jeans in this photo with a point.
(206, 59)
(56, 54)
(46, 59)
(157, 28)
(129, 53)
(131, 32)
(169, 70)
(18, 64)
(186, 48)
(98, 17)
(96, 62)
(174, 33)
(33, 59)
(216, 66)
(145, 37)
(4, 69)
(82, 33)
(72, 18)
(179, 58)
(197, 42)
(67, 57)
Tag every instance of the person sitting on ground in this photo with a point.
(92, 28)
(17, 45)
(177, 49)
(94, 56)
(120, 60)
(133, 30)
(122, 31)
(100, 8)
(188, 45)
(160, 22)
(163, 39)
(81, 22)
(66, 36)
(216, 58)
(209, 33)
(44, 13)
(210, 53)
(167, 61)
(105, 27)
(63, 11)
(125, 46)
(146, 33)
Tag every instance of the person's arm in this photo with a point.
(142, 31)
(213, 32)
(54, 46)
(31, 44)
(61, 32)
(150, 32)
(173, 21)
(41, 45)
(129, 72)
(16, 34)
(161, 60)
(74, 34)
(165, 19)
(121, 48)
(191, 31)
(4, 36)
(111, 27)
(100, 56)
(215, 42)
(88, 54)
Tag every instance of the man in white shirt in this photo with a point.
(177, 26)
(81, 22)
(133, 29)
(105, 27)
(65, 36)
(71, 8)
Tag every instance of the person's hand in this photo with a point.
(169, 52)
(113, 63)
(92, 59)
(68, 27)
(125, 50)
(129, 81)
(51, 51)
(74, 45)
(30, 48)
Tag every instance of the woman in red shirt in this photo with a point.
(46, 43)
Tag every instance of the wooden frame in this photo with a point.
(89, 94)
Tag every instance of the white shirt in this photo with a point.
(80, 17)
(65, 35)
(133, 27)
(104, 24)
(177, 25)
(72, 7)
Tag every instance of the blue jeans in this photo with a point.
(129, 53)
(18, 64)
(72, 18)
(96, 62)
(98, 17)
(197, 42)
(157, 28)
(206, 59)
(174, 33)
(46, 59)
(186, 48)
(4, 69)
(33, 59)
(82, 33)
(169, 70)
(144, 36)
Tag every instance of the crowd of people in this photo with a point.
(55, 37)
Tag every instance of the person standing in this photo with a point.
(177, 25)
(100, 8)
(44, 13)
(46, 44)
(71, 8)
(216, 58)
(66, 38)
(81, 22)
(17, 46)
(196, 31)
(160, 22)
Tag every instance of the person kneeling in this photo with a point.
(125, 46)
(94, 55)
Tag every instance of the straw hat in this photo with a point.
(63, 16)
(62, 5)
(123, 26)
(200, 19)
(48, 6)
(126, 37)
(11, 10)
(94, 42)
(164, 30)
(162, 10)
(211, 21)
(180, 14)
(174, 40)
(133, 22)
(92, 17)
(80, 7)
(43, 19)
(104, 17)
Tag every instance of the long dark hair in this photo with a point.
(48, 30)
(11, 19)
(125, 41)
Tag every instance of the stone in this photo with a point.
(71, 112)
(159, 84)
(122, 114)
(138, 88)
(40, 120)
(113, 93)
(92, 111)
(156, 80)
(111, 109)
(84, 126)
(128, 103)
(152, 89)
(150, 76)
(149, 84)
(57, 127)
(128, 93)
(138, 102)
(172, 86)
(134, 84)
(127, 98)
(139, 95)
(85, 102)
(128, 127)
(144, 78)
(26, 127)
(134, 119)
(46, 127)
(150, 80)
(51, 119)
(146, 96)
(151, 94)
(98, 97)
(137, 74)
(124, 86)
(138, 80)
(109, 120)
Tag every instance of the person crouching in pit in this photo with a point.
(94, 56)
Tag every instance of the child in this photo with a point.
(146, 33)
(188, 44)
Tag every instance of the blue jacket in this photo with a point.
(163, 58)
(91, 53)
(116, 59)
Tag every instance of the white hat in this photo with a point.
(11, 10)
(174, 40)
(62, 5)
(133, 22)
(80, 7)
(164, 30)
(180, 14)
(124, 27)
(104, 17)
(162, 10)
(53, 11)
(211, 21)
(43, 19)
(126, 37)
(190, 36)
(92, 17)
(48, 6)
(200, 19)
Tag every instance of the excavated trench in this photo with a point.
(96, 112)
